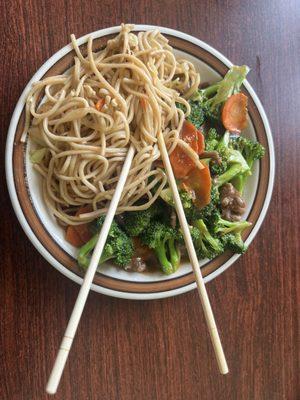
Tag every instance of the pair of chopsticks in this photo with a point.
(70, 332)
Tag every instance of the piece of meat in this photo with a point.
(143, 257)
(232, 204)
(120, 220)
(173, 219)
(137, 265)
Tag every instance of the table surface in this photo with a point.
(128, 350)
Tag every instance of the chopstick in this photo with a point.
(70, 332)
(208, 313)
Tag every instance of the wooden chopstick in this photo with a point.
(70, 332)
(210, 320)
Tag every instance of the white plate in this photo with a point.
(33, 181)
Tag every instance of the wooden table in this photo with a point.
(127, 350)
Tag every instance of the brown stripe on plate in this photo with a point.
(64, 258)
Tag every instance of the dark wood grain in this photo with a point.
(127, 350)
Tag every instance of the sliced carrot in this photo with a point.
(77, 235)
(234, 113)
(83, 232)
(182, 164)
(100, 103)
(201, 143)
(199, 181)
(72, 236)
(189, 134)
(143, 102)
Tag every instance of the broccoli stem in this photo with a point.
(174, 254)
(239, 182)
(210, 90)
(205, 232)
(84, 252)
(83, 258)
(160, 252)
(233, 170)
(228, 226)
(224, 142)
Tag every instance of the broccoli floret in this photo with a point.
(185, 197)
(206, 246)
(230, 233)
(162, 239)
(207, 211)
(232, 161)
(195, 234)
(193, 213)
(251, 151)
(222, 226)
(197, 113)
(118, 246)
(213, 97)
(135, 222)
(213, 143)
(211, 139)
(234, 243)
(206, 103)
(221, 167)
(222, 148)
(236, 165)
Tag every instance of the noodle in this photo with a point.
(139, 81)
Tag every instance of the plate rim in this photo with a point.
(12, 189)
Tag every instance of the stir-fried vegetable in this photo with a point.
(199, 182)
(162, 239)
(234, 113)
(118, 247)
(216, 112)
(181, 162)
(137, 221)
(251, 151)
(211, 99)
(233, 162)
(77, 235)
(206, 246)
(100, 103)
(230, 233)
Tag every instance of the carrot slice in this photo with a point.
(83, 232)
(182, 164)
(143, 102)
(200, 182)
(234, 113)
(189, 135)
(201, 143)
(100, 104)
(77, 235)
(72, 236)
